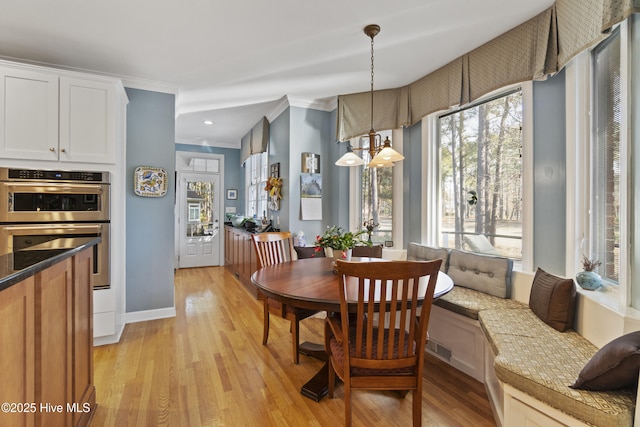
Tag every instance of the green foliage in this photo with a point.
(337, 238)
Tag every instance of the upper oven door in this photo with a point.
(53, 202)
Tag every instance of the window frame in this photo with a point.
(593, 162)
(355, 194)
(256, 175)
(580, 135)
(431, 173)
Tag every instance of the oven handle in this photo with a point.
(54, 187)
(68, 227)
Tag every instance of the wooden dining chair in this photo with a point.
(275, 248)
(389, 356)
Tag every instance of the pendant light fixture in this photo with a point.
(381, 153)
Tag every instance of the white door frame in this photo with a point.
(183, 160)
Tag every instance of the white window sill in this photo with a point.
(609, 297)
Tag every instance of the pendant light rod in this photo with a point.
(371, 31)
(380, 152)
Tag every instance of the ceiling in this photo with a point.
(233, 62)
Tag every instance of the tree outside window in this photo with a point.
(481, 177)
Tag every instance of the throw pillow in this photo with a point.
(614, 366)
(308, 252)
(553, 299)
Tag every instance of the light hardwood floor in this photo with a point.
(208, 367)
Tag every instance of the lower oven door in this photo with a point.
(14, 237)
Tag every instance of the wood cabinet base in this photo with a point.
(46, 368)
(240, 257)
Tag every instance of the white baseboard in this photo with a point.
(143, 316)
(109, 339)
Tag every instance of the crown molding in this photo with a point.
(150, 85)
(130, 82)
(278, 109)
(325, 104)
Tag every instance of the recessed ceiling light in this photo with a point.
(208, 122)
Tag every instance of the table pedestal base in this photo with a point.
(316, 388)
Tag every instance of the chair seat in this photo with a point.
(337, 350)
(275, 248)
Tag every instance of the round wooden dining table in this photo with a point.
(311, 283)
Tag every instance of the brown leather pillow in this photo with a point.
(308, 252)
(552, 299)
(614, 366)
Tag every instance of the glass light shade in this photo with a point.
(350, 159)
(377, 162)
(388, 154)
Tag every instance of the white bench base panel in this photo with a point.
(457, 340)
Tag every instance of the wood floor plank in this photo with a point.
(208, 367)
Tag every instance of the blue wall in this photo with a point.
(150, 221)
(549, 157)
(279, 143)
(233, 171)
(335, 181)
(300, 130)
(312, 131)
(412, 184)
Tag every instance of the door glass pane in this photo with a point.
(200, 220)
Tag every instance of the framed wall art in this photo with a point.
(150, 181)
(274, 170)
(232, 194)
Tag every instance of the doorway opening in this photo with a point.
(199, 210)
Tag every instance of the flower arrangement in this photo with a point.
(370, 225)
(590, 264)
(337, 238)
(274, 187)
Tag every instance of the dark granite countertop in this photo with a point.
(19, 265)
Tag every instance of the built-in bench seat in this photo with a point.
(542, 362)
(469, 303)
(526, 365)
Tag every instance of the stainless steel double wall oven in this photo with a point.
(37, 206)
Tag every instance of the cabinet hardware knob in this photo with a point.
(63, 150)
(52, 149)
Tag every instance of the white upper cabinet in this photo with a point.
(87, 121)
(57, 117)
(29, 115)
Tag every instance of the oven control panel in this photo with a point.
(8, 174)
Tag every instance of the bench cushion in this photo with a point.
(417, 252)
(484, 273)
(543, 362)
(468, 303)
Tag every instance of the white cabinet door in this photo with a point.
(87, 121)
(28, 114)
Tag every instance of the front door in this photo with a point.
(199, 222)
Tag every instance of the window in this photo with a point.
(256, 168)
(194, 212)
(481, 175)
(376, 195)
(605, 162)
